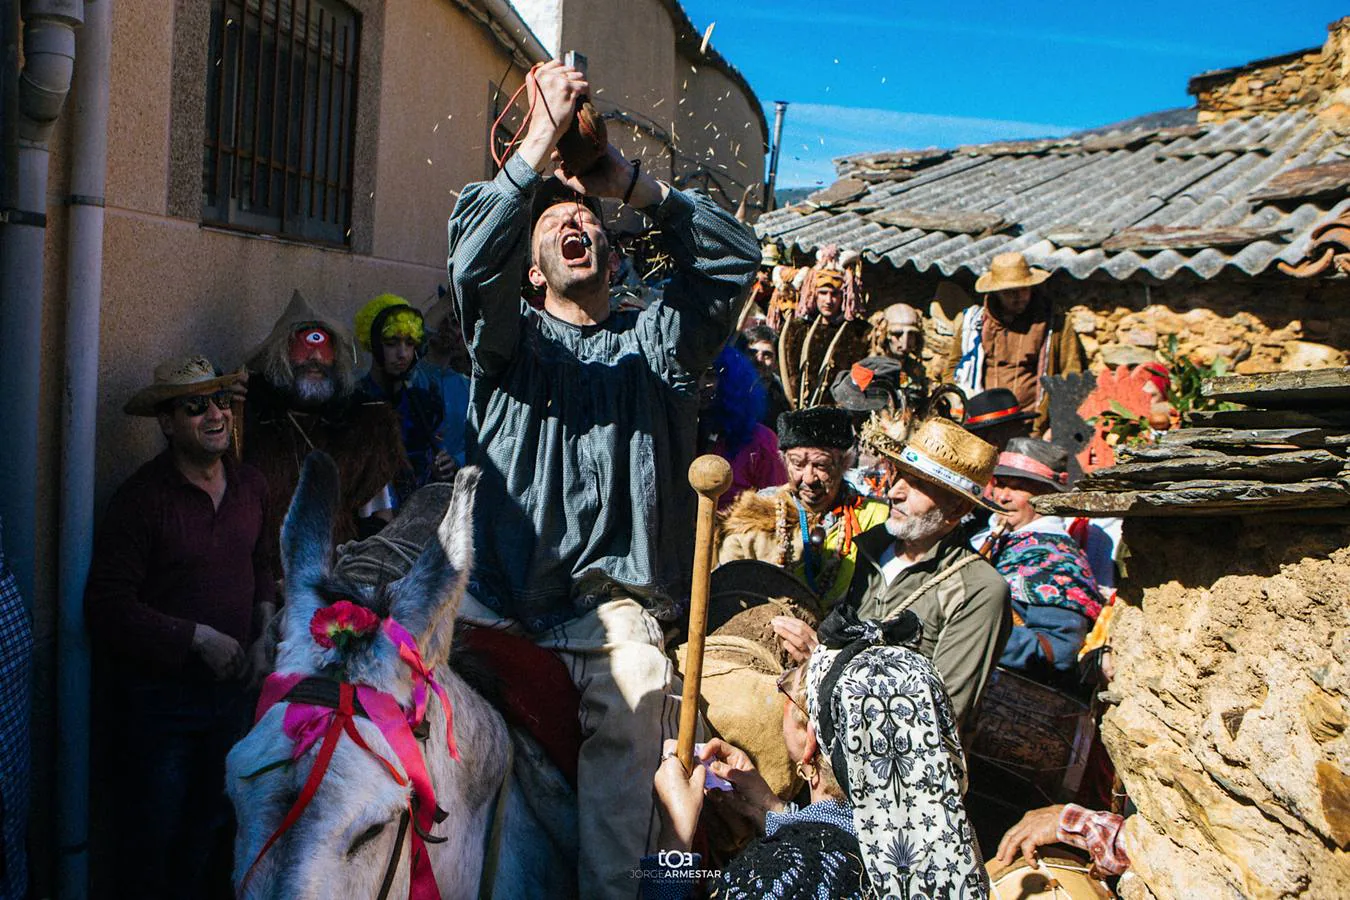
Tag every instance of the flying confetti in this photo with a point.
(707, 36)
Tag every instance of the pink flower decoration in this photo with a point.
(341, 624)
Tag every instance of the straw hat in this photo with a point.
(178, 378)
(942, 453)
(1009, 271)
(770, 255)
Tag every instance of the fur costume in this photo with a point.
(811, 351)
(766, 526)
(363, 438)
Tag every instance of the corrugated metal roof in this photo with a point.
(1199, 177)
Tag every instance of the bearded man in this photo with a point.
(583, 421)
(918, 559)
(302, 398)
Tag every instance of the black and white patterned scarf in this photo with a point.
(883, 719)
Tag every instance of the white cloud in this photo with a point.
(833, 131)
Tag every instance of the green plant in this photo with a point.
(1128, 427)
(1186, 379)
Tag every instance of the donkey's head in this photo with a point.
(347, 839)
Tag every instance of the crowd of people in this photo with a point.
(914, 533)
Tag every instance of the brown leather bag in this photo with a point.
(583, 145)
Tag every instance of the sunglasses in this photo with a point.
(196, 406)
(783, 683)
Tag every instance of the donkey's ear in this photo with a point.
(426, 599)
(307, 539)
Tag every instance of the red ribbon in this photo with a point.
(422, 679)
(304, 723)
(862, 376)
(340, 720)
(1032, 467)
(993, 416)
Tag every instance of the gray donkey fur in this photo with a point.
(342, 843)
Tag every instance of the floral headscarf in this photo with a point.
(883, 719)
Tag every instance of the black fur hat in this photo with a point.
(816, 426)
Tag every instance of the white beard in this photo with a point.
(917, 528)
(312, 393)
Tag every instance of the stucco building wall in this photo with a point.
(723, 143)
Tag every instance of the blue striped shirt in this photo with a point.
(585, 434)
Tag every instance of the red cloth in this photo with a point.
(165, 560)
(1099, 833)
(537, 692)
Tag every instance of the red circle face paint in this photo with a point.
(311, 345)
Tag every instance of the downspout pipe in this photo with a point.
(49, 61)
(84, 293)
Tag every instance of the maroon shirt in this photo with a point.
(165, 560)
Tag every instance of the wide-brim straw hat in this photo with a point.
(177, 378)
(1007, 272)
(943, 454)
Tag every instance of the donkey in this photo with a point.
(348, 784)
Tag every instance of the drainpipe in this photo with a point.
(49, 61)
(84, 290)
(779, 110)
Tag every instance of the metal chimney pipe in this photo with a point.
(779, 110)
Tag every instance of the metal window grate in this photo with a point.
(280, 118)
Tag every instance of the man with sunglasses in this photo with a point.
(178, 586)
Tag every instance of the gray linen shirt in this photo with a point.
(585, 434)
(966, 619)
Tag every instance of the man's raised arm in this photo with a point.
(490, 226)
(715, 260)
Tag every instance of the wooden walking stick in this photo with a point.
(710, 476)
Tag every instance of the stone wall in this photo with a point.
(1256, 324)
(1233, 665)
(1304, 79)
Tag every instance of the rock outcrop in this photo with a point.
(1233, 669)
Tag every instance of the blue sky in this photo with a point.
(894, 74)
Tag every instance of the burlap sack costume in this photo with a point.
(743, 659)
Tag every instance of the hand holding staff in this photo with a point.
(710, 476)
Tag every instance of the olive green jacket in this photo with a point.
(966, 618)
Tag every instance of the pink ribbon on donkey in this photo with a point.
(422, 679)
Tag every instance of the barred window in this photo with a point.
(280, 118)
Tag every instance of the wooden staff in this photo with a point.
(710, 476)
(237, 425)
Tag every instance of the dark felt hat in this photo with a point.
(816, 426)
(993, 407)
(868, 385)
(1035, 460)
